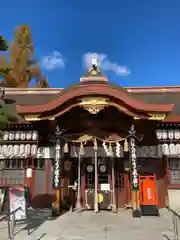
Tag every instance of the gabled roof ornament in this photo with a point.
(94, 73)
(94, 70)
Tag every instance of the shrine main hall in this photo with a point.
(122, 145)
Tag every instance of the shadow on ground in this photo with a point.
(36, 217)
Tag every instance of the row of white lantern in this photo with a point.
(164, 134)
(18, 150)
(20, 135)
(159, 150)
(171, 149)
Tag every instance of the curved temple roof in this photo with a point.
(147, 100)
(96, 89)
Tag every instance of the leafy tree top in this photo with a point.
(3, 44)
(20, 69)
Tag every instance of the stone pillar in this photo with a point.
(56, 206)
(134, 173)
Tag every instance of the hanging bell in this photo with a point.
(81, 150)
(126, 148)
(66, 149)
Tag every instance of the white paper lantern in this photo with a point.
(164, 134)
(159, 150)
(177, 134)
(177, 147)
(4, 150)
(165, 149)
(11, 136)
(34, 150)
(23, 136)
(172, 149)
(16, 150)
(17, 135)
(29, 173)
(159, 134)
(29, 135)
(152, 151)
(27, 149)
(34, 135)
(10, 149)
(170, 134)
(40, 152)
(21, 149)
(5, 135)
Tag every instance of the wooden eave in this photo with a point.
(95, 89)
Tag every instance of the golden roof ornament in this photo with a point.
(94, 69)
(94, 73)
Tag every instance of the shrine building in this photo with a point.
(122, 145)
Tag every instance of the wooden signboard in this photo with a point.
(16, 200)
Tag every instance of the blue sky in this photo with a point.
(138, 41)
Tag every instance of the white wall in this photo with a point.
(174, 198)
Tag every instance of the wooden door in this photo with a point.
(104, 195)
(104, 185)
(70, 174)
(121, 184)
(89, 184)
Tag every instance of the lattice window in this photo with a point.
(24, 163)
(174, 171)
(103, 178)
(90, 180)
(119, 180)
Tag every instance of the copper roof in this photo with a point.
(149, 95)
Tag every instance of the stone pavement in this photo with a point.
(101, 226)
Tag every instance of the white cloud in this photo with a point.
(105, 64)
(53, 61)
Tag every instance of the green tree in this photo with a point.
(3, 44)
(8, 113)
(22, 69)
(3, 47)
